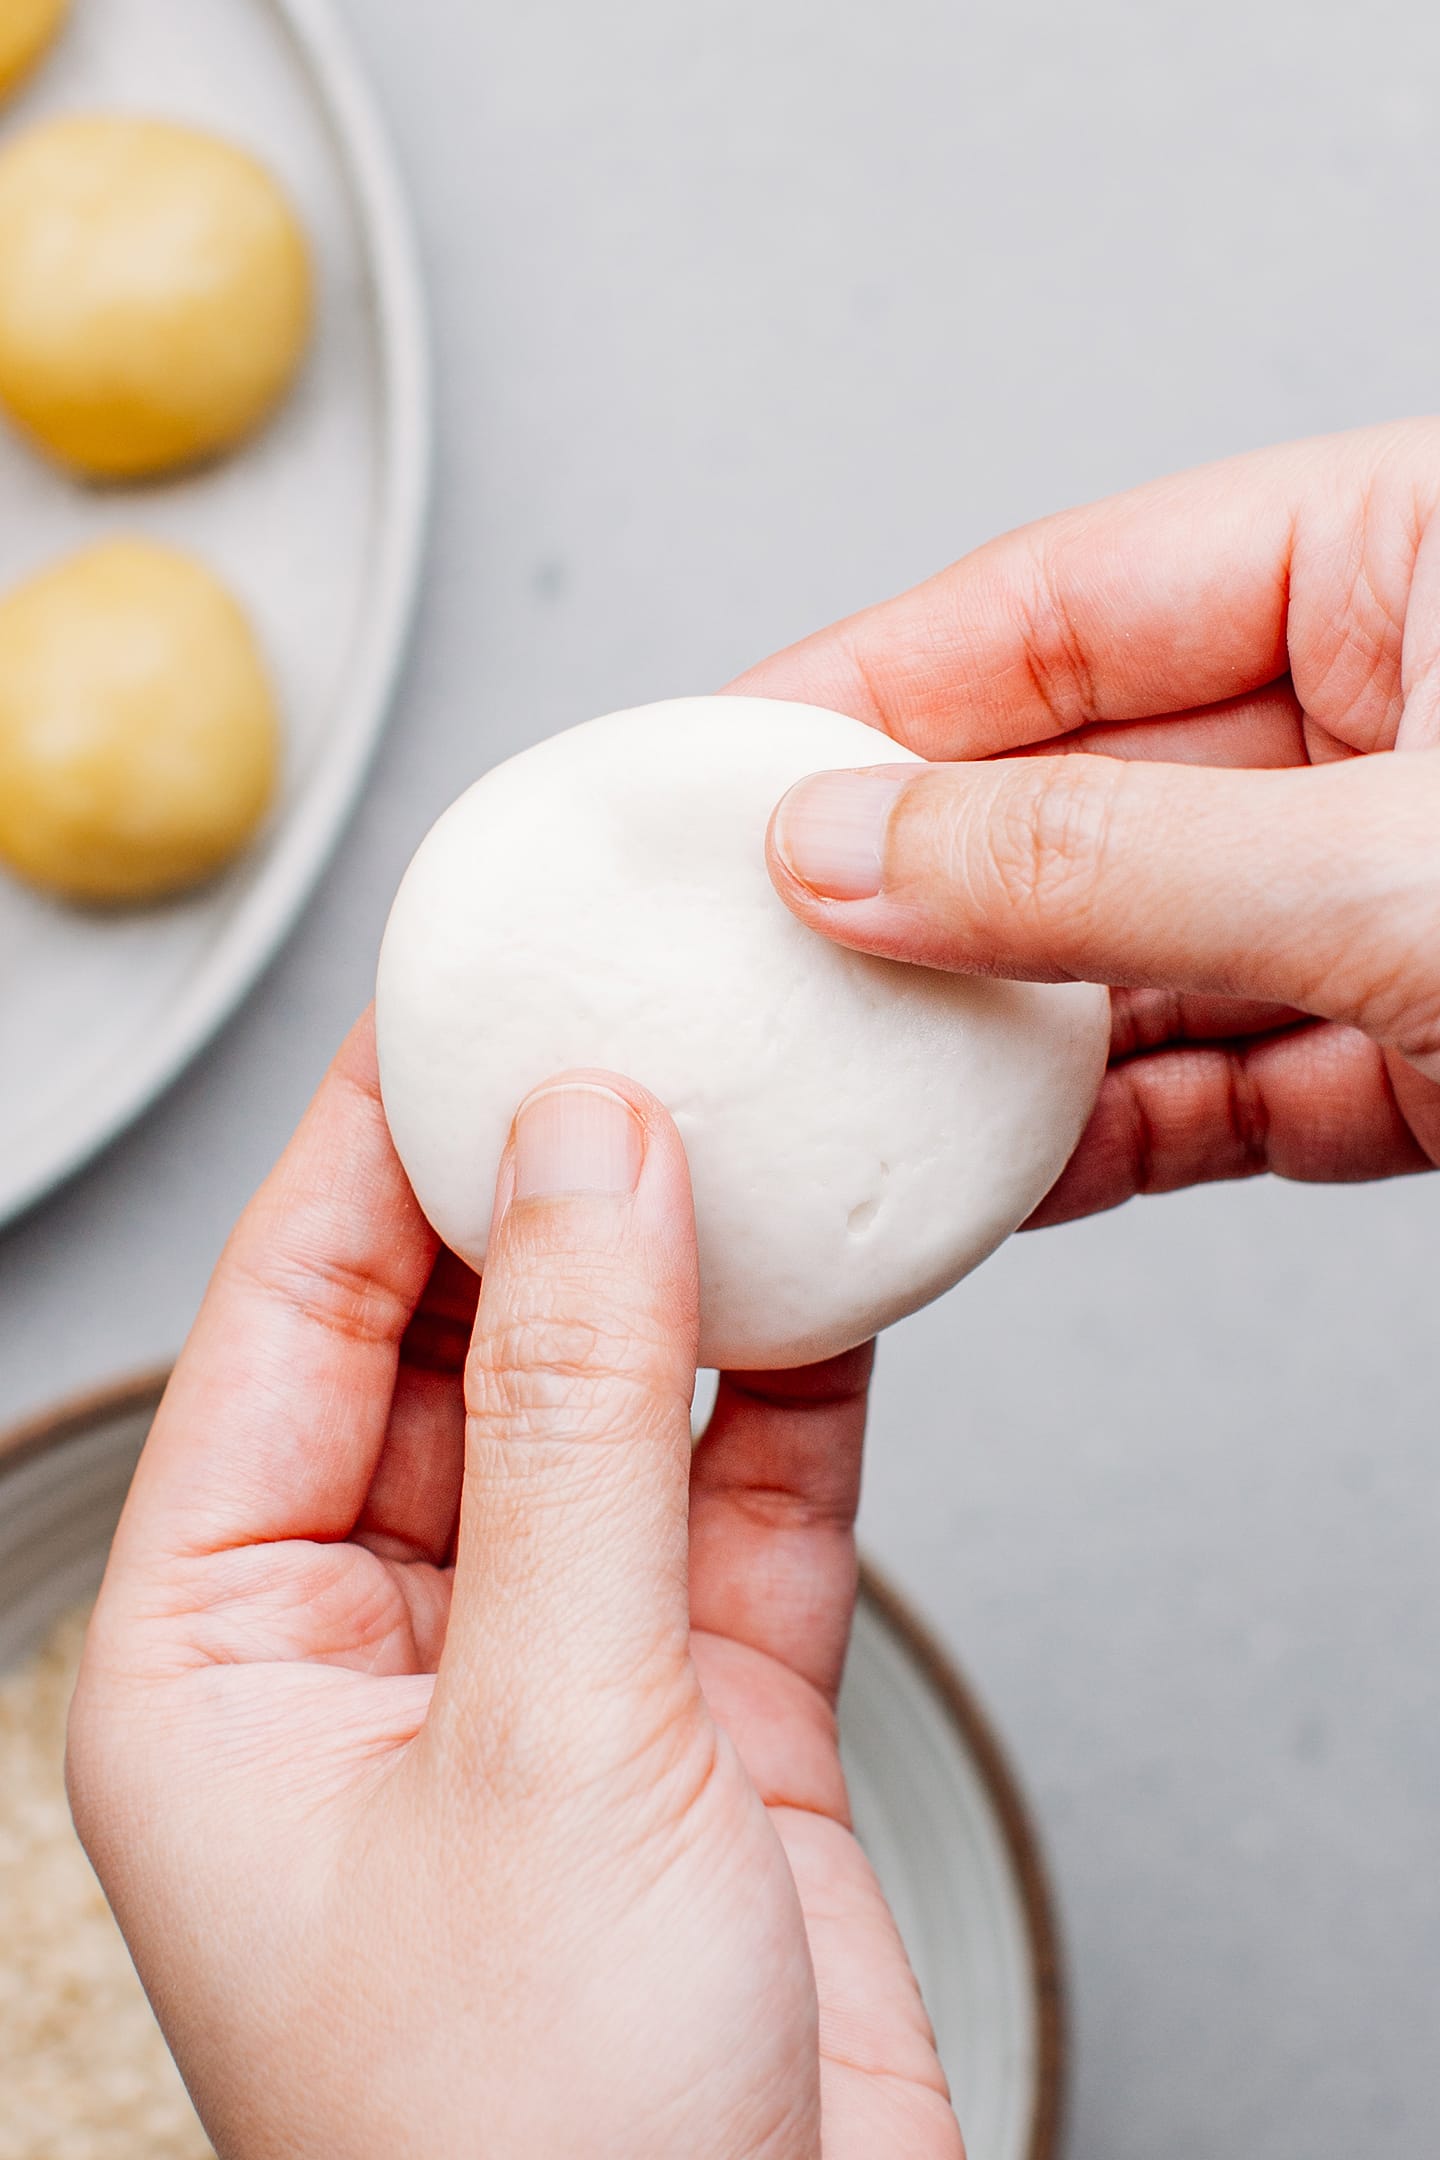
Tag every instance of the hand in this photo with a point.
(451, 1800)
(1273, 928)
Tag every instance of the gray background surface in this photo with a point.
(749, 313)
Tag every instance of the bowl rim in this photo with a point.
(78, 1415)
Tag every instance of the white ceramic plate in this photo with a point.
(935, 1803)
(318, 525)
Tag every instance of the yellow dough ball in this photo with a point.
(139, 736)
(155, 293)
(27, 29)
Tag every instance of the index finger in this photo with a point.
(276, 1415)
(1189, 593)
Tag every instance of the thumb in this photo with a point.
(1318, 889)
(571, 1561)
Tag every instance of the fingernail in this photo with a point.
(830, 831)
(577, 1138)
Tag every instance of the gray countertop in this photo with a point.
(750, 313)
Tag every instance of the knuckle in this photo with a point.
(1353, 680)
(548, 1370)
(1056, 658)
(1047, 841)
(1246, 1115)
(330, 1294)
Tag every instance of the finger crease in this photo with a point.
(332, 1294)
(1055, 657)
(1142, 1144)
(774, 1507)
(1246, 1112)
(777, 1398)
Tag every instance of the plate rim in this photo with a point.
(264, 918)
(78, 1415)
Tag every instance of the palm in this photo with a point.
(773, 1574)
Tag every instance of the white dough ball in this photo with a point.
(860, 1133)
